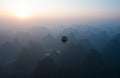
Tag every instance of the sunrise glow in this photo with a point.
(60, 8)
(20, 9)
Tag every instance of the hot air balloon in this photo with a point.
(64, 39)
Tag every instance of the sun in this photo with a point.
(21, 10)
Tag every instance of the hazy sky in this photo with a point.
(61, 8)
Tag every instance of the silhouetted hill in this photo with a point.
(46, 68)
(93, 65)
(86, 44)
(38, 33)
(112, 52)
(8, 52)
(76, 62)
(49, 43)
(27, 60)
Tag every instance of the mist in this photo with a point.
(59, 38)
(34, 49)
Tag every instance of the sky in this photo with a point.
(65, 9)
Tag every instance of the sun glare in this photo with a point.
(21, 10)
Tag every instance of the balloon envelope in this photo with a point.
(64, 39)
